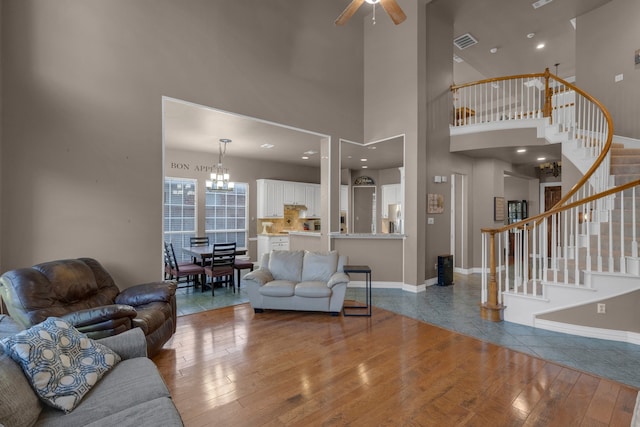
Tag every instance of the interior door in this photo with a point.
(364, 205)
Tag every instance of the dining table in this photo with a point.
(206, 251)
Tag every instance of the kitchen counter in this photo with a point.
(291, 232)
(383, 252)
(392, 236)
(305, 233)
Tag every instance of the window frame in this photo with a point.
(215, 232)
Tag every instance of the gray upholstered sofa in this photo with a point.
(298, 280)
(133, 393)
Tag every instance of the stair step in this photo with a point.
(625, 169)
(625, 159)
(625, 151)
(625, 178)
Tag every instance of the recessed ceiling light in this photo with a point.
(267, 146)
(531, 35)
(365, 167)
(540, 46)
(310, 152)
(363, 160)
(541, 159)
(305, 157)
(493, 50)
(540, 3)
(521, 150)
(457, 58)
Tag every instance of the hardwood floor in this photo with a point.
(230, 367)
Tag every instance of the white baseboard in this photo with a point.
(389, 285)
(588, 331)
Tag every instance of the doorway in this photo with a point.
(364, 209)
(459, 221)
(552, 195)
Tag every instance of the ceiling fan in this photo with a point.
(390, 6)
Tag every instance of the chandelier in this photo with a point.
(554, 168)
(220, 176)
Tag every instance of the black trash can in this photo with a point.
(445, 270)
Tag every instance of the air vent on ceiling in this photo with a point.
(464, 41)
(457, 59)
(540, 3)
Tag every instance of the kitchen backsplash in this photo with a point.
(291, 222)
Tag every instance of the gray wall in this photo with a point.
(606, 41)
(392, 100)
(1, 132)
(82, 131)
(621, 314)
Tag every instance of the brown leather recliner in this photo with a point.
(84, 293)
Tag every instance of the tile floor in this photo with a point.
(457, 308)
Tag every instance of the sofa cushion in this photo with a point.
(19, 405)
(278, 288)
(286, 265)
(319, 266)
(313, 289)
(129, 386)
(61, 363)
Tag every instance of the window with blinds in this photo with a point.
(179, 213)
(226, 215)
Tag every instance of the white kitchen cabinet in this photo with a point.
(391, 195)
(294, 193)
(312, 200)
(270, 199)
(267, 243)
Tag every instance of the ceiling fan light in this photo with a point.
(372, 1)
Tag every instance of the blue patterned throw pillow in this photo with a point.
(61, 363)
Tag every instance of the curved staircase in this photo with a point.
(585, 248)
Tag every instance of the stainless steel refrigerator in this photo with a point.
(395, 219)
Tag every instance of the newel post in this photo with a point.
(491, 310)
(548, 96)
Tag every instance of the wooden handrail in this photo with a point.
(492, 309)
(496, 79)
(547, 113)
(540, 217)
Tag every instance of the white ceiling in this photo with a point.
(495, 23)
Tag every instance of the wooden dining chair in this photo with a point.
(178, 270)
(199, 241)
(220, 267)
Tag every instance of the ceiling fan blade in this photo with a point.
(393, 10)
(348, 12)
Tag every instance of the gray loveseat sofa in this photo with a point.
(298, 280)
(133, 393)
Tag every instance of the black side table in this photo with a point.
(366, 270)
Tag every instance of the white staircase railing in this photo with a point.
(592, 228)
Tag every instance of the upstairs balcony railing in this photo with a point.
(569, 112)
(592, 227)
